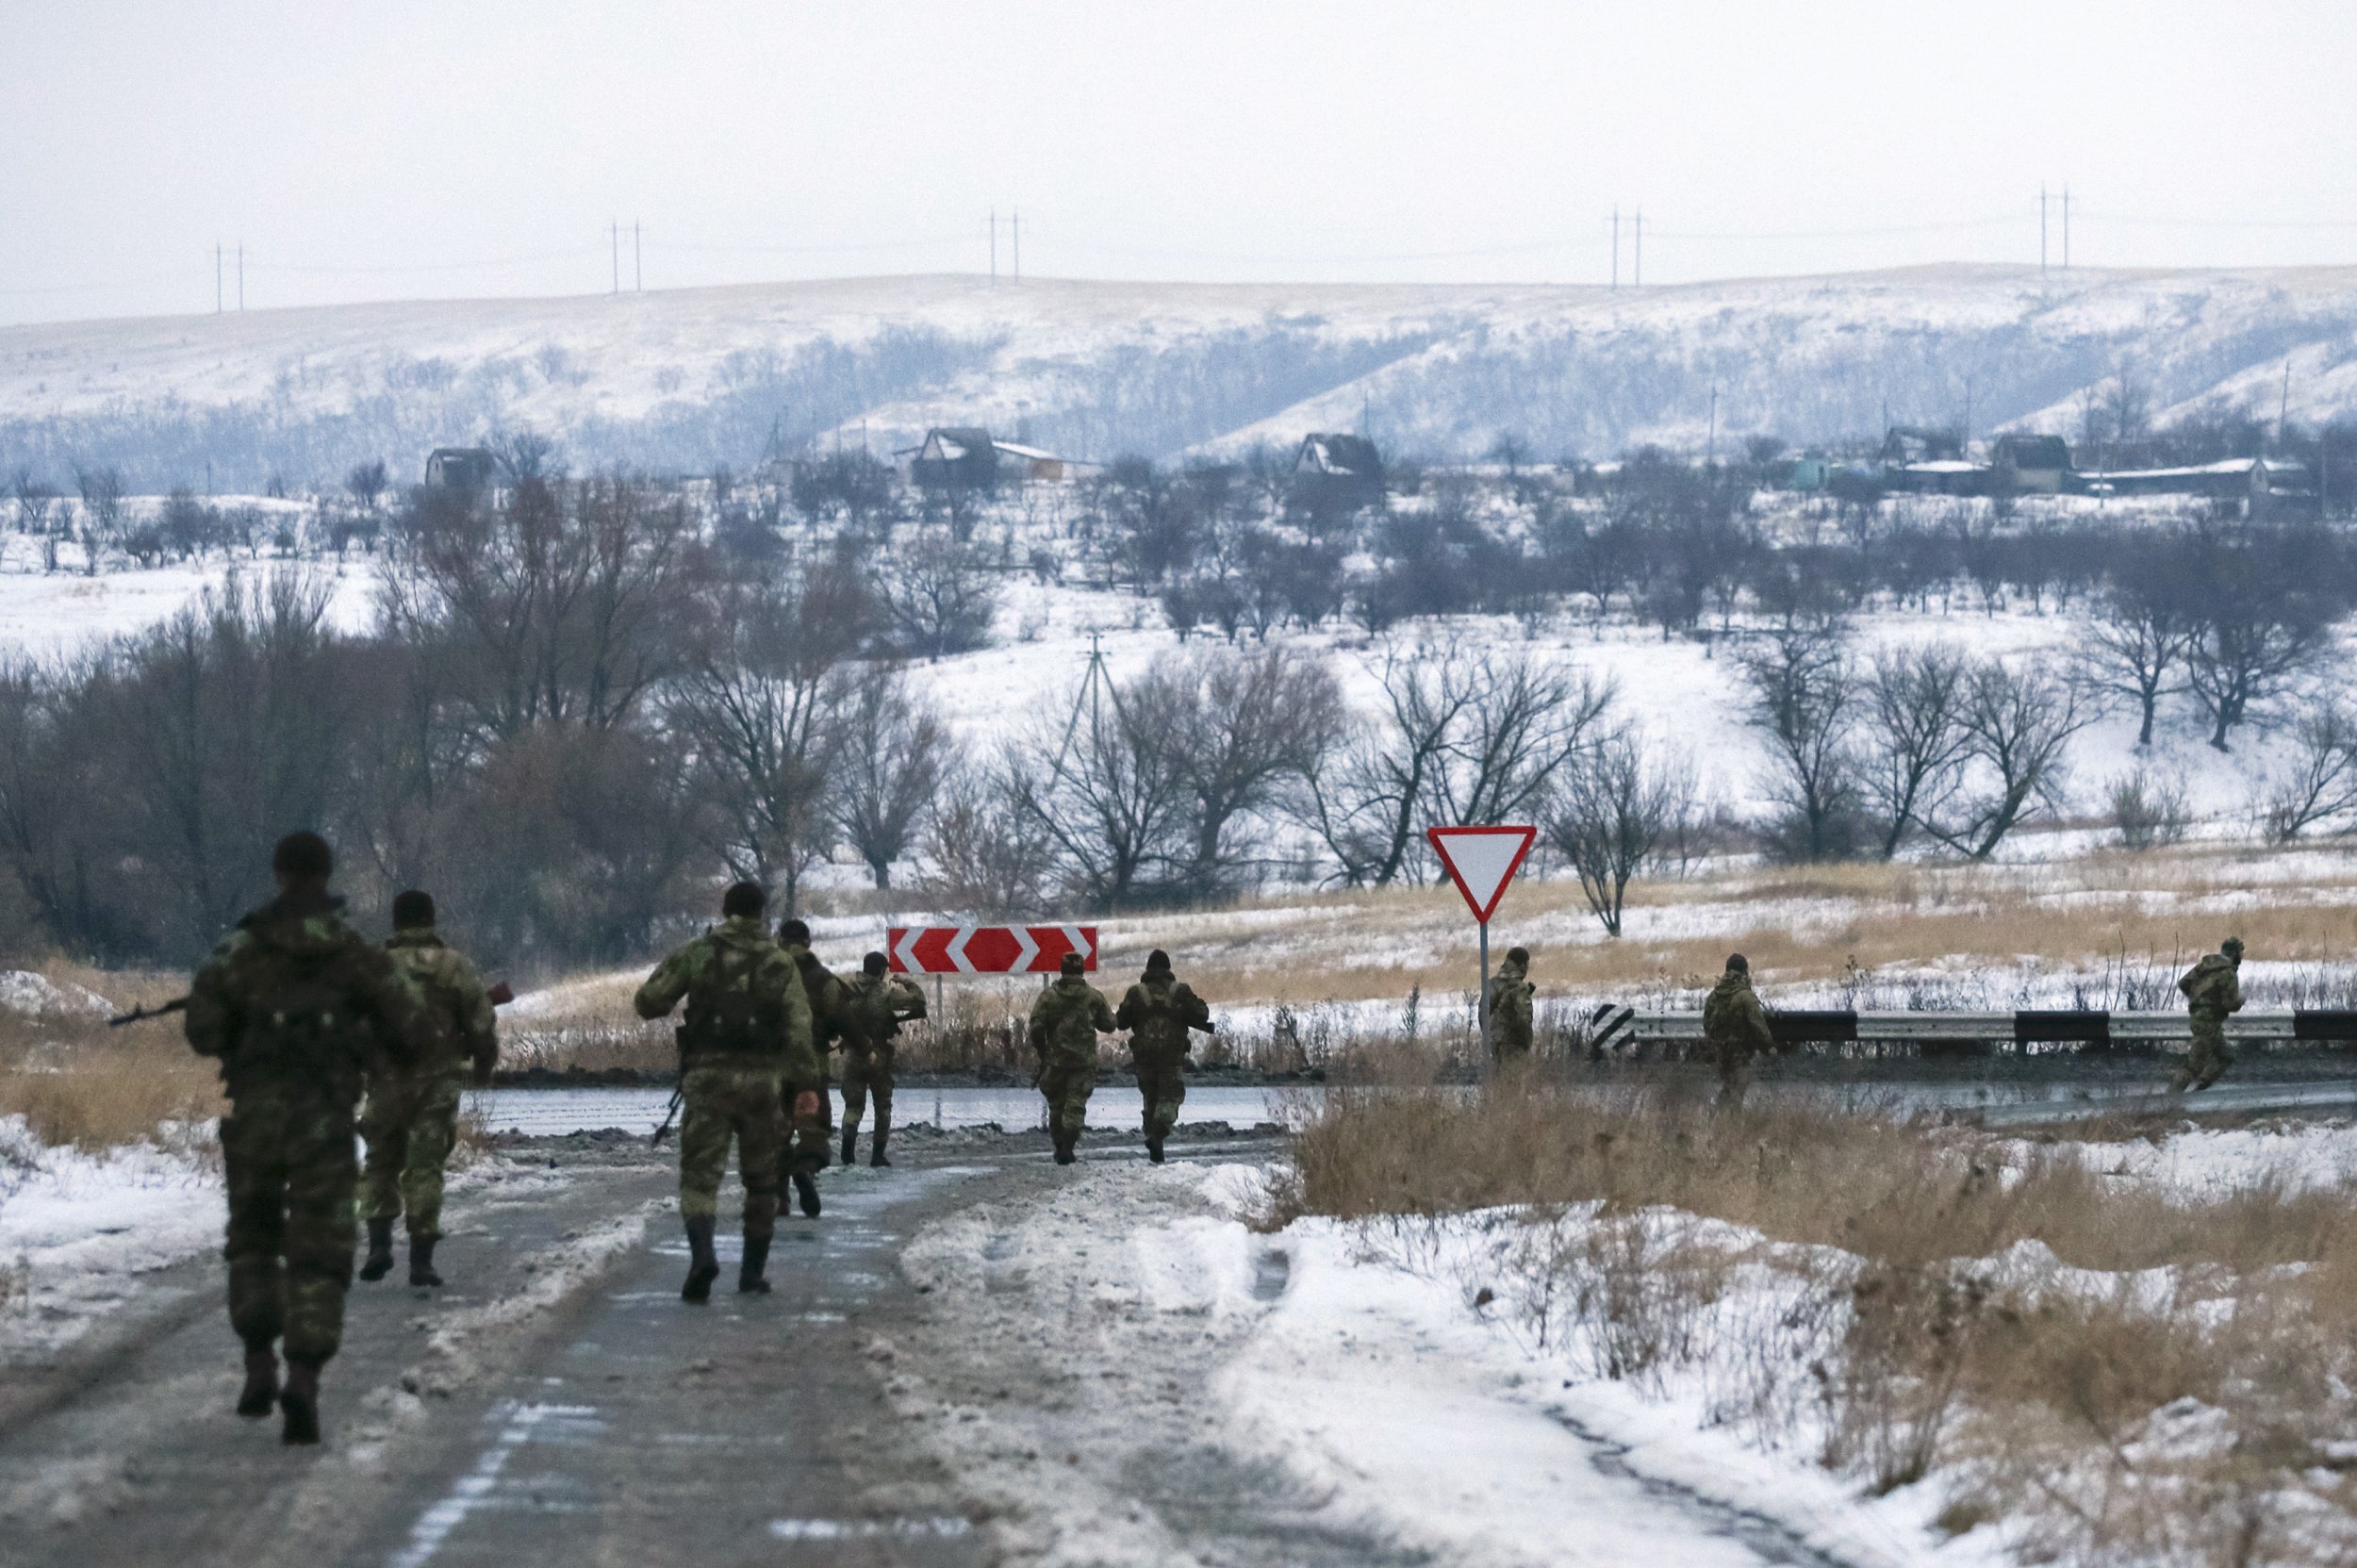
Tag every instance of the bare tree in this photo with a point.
(1806, 689)
(986, 858)
(368, 482)
(102, 512)
(33, 500)
(1612, 817)
(1915, 745)
(940, 598)
(1461, 737)
(2019, 724)
(2143, 629)
(1108, 790)
(895, 753)
(2320, 785)
(1242, 726)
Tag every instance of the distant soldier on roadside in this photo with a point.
(879, 1004)
(804, 1151)
(1510, 991)
(1065, 1022)
(747, 1028)
(1158, 1012)
(2213, 990)
(298, 1007)
(1735, 1026)
(411, 1119)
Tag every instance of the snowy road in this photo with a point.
(976, 1358)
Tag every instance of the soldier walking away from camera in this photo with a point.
(1735, 1026)
(809, 1114)
(299, 1008)
(411, 1119)
(878, 1004)
(747, 1028)
(1158, 1012)
(1065, 1022)
(2213, 989)
(1510, 991)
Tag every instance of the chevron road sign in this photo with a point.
(987, 949)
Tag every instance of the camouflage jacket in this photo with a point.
(1067, 1020)
(878, 1005)
(1731, 1015)
(2213, 987)
(454, 995)
(830, 999)
(1158, 1011)
(745, 1006)
(1510, 992)
(296, 999)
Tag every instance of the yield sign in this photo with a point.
(1481, 861)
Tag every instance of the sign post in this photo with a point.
(1481, 861)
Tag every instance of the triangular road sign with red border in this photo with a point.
(1481, 861)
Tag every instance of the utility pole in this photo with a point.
(638, 261)
(1636, 270)
(1616, 244)
(2283, 404)
(2041, 228)
(216, 277)
(994, 244)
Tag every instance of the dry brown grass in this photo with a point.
(2194, 1409)
(77, 1083)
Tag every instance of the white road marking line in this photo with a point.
(470, 1491)
(856, 1529)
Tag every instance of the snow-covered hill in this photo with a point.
(686, 380)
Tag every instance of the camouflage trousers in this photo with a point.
(288, 1167)
(802, 1140)
(410, 1123)
(2210, 1057)
(1068, 1086)
(1161, 1086)
(721, 1104)
(868, 1069)
(1734, 1061)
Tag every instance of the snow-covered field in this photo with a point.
(1394, 1378)
(687, 379)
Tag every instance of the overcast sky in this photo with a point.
(424, 149)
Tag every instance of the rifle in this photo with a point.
(670, 1112)
(177, 1004)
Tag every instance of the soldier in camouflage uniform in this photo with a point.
(2213, 989)
(1065, 1022)
(1158, 1012)
(1510, 991)
(297, 1007)
(411, 1120)
(805, 1149)
(747, 1028)
(1733, 1027)
(877, 1004)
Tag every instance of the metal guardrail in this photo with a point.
(1616, 1027)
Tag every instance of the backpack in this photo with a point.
(299, 1025)
(728, 1018)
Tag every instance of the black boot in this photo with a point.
(703, 1268)
(261, 1383)
(806, 1187)
(748, 1279)
(1064, 1148)
(850, 1136)
(1154, 1147)
(422, 1261)
(380, 1259)
(883, 1132)
(300, 1402)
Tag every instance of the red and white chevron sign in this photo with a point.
(987, 949)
